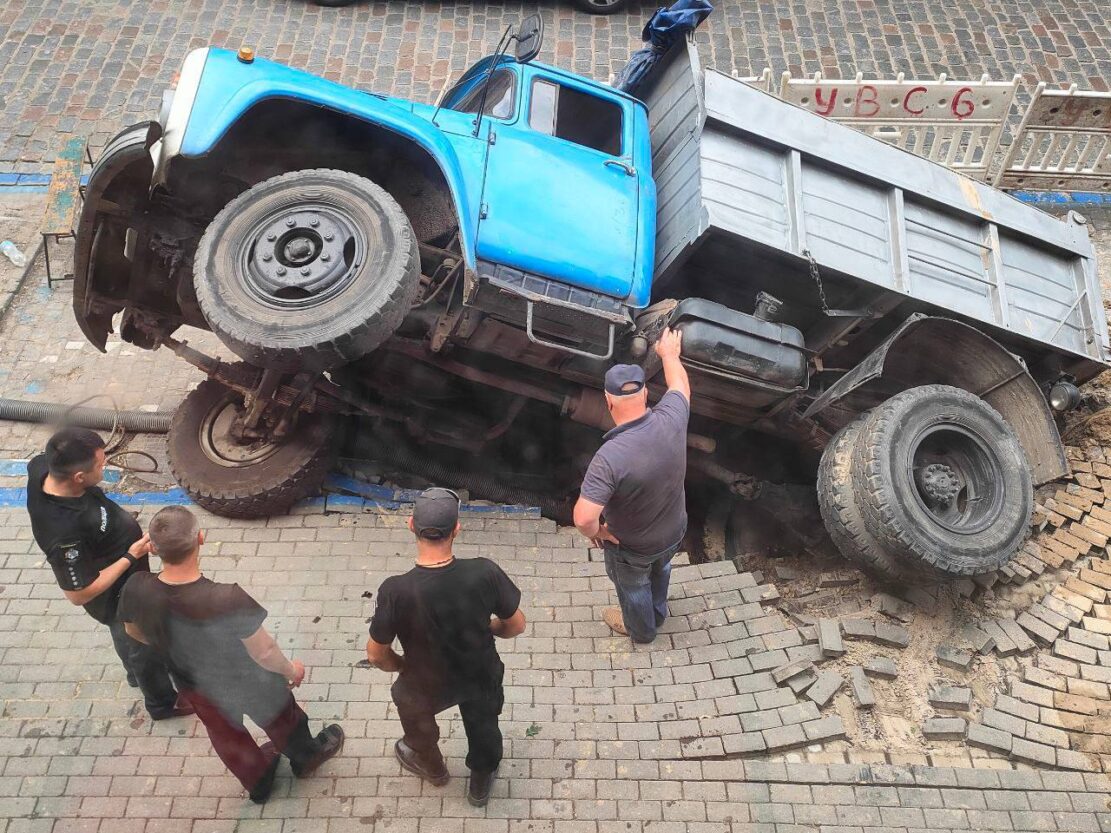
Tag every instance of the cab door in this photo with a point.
(560, 196)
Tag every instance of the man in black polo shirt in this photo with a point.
(94, 546)
(446, 613)
(636, 481)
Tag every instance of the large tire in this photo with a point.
(267, 480)
(943, 482)
(842, 515)
(348, 234)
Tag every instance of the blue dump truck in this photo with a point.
(453, 279)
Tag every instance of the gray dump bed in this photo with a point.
(732, 160)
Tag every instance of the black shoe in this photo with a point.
(180, 709)
(131, 681)
(261, 791)
(330, 742)
(434, 773)
(478, 790)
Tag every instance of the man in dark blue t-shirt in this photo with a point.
(632, 501)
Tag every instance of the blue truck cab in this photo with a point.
(457, 276)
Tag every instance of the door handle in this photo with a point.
(625, 166)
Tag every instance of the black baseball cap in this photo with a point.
(435, 513)
(621, 376)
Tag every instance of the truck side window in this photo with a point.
(499, 97)
(578, 117)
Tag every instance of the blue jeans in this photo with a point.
(641, 582)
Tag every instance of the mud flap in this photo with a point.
(118, 187)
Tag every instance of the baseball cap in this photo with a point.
(435, 513)
(621, 376)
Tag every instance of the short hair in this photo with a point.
(173, 532)
(72, 450)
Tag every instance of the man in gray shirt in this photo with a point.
(632, 501)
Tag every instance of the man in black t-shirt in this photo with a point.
(636, 483)
(222, 659)
(93, 546)
(446, 613)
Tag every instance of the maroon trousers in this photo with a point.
(288, 729)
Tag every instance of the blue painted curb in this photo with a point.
(359, 496)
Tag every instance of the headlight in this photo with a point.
(1064, 396)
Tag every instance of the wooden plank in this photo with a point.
(64, 196)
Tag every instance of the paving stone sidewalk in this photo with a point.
(91, 67)
(594, 735)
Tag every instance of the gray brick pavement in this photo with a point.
(78, 754)
(92, 66)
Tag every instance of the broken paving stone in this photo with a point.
(785, 572)
(800, 682)
(987, 738)
(839, 578)
(1003, 644)
(895, 636)
(944, 728)
(882, 667)
(893, 607)
(829, 638)
(791, 669)
(954, 657)
(823, 689)
(827, 728)
(858, 629)
(1017, 635)
(1036, 753)
(862, 689)
(1042, 632)
(953, 698)
(977, 640)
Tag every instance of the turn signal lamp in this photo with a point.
(246, 54)
(1064, 396)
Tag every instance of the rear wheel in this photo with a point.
(842, 514)
(943, 482)
(245, 480)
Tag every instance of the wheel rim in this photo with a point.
(296, 257)
(956, 478)
(218, 444)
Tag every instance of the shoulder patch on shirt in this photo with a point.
(71, 555)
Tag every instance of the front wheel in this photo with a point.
(307, 271)
(245, 480)
(942, 481)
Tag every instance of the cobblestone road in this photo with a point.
(91, 67)
(595, 734)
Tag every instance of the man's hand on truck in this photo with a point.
(669, 348)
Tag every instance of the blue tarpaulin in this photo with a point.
(661, 32)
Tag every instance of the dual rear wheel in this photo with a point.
(931, 484)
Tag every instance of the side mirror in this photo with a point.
(529, 37)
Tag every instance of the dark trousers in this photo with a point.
(641, 582)
(480, 721)
(288, 728)
(143, 664)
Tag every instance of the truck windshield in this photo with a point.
(499, 97)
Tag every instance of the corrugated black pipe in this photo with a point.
(103, 419)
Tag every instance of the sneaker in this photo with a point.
(435, 773)
(330, 740)
(181, 708)
(261, 791)
(478, 790)
(612, 617)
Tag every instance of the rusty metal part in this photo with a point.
(258, 401)
(588, 406)
(743, 485)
